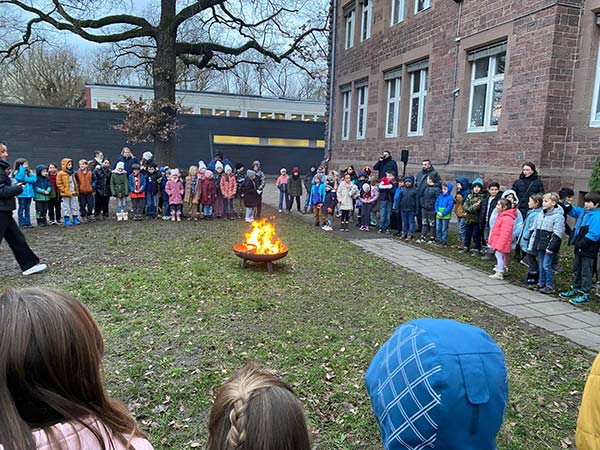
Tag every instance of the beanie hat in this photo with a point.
(295, 170)
(163, 169)
(218, 165)
(385, 181)
(251, 174)
(175, 172)
(147, 156)
(228, 168)
(439, 384)
(208, 173)
(368, 170)
(201, 165)
(120, 165)
(366, 187)
(238, 166)
(410, 179)
(478, 181)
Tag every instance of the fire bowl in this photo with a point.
(246, 252)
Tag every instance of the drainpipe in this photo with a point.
(332, 74)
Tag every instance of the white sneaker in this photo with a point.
(497, 276)
(35, 269)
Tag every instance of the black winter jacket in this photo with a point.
(429, 196)
(103, 175)
(485, 212)
(525, 187)
(8, 191)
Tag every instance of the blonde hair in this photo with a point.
(552, 196)
(193, 171)
(256, 410)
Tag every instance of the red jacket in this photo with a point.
(501, 234)
(209, 191)
(228, 186)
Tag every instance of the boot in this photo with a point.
(67, 221)
(178, 217)
(173, 217)
(76, 221)
(125, 216)
(460, 244)
(497, 276)
(119, 216)
(347, 229)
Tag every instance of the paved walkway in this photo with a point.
(547, 312)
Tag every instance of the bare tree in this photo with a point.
(234, 29)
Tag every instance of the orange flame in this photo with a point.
(262, 239)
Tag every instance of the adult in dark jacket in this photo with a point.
(212, 165)
(526, 185)
(294, 188)
(421, 179)
(28, 261)
(386, 164)
(128, 159)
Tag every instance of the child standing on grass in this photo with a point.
(119, 188)
(164, 197)
(103, 174)
(427, 202)
(86, 184)
(137, 189)
(443, 212)
(585, 239)
(347, 191)
(191, 197)
(463, 189)
(26, 178)
(54, 211)
(535, 207)
(500, 237)
(317, 197)
(152, 187)
(368, 199)
(68, 191)
(208, 195)
(174, 189)
(43, 188)
(228, 187)
(547, 232)
(294, 188)
(250, 194)
(218, 207)
(281, 184)
(472, 207)
(329, 205)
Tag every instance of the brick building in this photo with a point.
(477, 86)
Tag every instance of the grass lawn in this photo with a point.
(179, 314)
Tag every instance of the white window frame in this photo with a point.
(346, 106)
(349, 29)
(399, 4)
(395, 100)
(365, 22)
(489, 95)
(361, 107)
(422, 96)
(426, 6)
(593, 121)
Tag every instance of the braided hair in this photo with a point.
(256, 410)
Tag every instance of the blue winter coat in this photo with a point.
(465, 187)
(586, 236)
(444, 203)
(524, 240)
(320, 189)
(29, 180)
(438, 384)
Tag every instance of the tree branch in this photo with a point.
(190, 11)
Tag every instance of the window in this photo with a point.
(365, 23)
(346, 101)
(392, 80)
(103, 105)
(220, 112)
(349, 40)
(252, 115)
(418, 95)
(362, 91)
(205, 112)
(595, 119)
(234, 113)
(266, 115)
(397, 11)
(421, 5)
(487, 87)
(296, 117)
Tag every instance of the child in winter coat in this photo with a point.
(164, 197)
(535, 207)
(308, 182)
(228, 188)
(209, 194)
(317, 197)
(103, 174)
(347, 191)
(329, 205)
(463, 189)
(294, 189)
(86, 184)
(585, 239)
(387, 190)
(405, 201)
(218, 206)
(511, 196)
(427, 202)
(443, 212)
(137, 191)
(68, 191)
(547, 232)
(119, 188)
(152, 187)
(43, 188)
(368, 199)
(360, 182)
(191, 198)
(175, 190)
(250, 195)
(500, 238)
(54, 211)
(240, 178)
(281, 184)
(472, 206)
(26, 178)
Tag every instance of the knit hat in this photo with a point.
(362, 173)
(385, 181)
(163, 169)
(251, 174)
(410, 179)
(218, 165)
(283, 171)
(208, 173)
(147, 156)
(238, 166)
(175, 172)
(295, 170)
(201, 165)
(120, 165)
(366, 187)
(228, 168)
(478, 181)
(438, 384)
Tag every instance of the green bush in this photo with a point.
(595, 178)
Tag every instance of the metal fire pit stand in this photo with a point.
(242, 251)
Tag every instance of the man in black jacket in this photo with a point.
(9, 230)
(421, 180)
(386, 164)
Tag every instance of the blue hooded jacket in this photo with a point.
(465, 187)
(438, 384)
(444, 203)
(586, 235)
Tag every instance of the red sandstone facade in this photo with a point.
(544, 114)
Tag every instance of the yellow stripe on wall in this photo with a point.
(320, 144)
(221, 139)
(289, 142)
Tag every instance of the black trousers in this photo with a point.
(297, 198)
(41, 212)
(54, 209)
(101, 206)
(9, 231)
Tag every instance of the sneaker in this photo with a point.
(419, 241)
(522, 261)
(547, 290)
(535, 287)
(583, 298)
(530, 281)
(475, 252)
(35, 269)
(570, 293)
(431, 242)
(496, 276)
(464, 250)
(505, 269)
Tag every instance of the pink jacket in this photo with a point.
(501, 234)
(283, 179)
(77, 437)
(174, 190)
(228, 186)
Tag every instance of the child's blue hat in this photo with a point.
(438, 384)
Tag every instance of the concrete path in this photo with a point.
(547, 312)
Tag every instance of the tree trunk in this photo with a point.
(164, 74)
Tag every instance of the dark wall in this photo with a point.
(43, 134)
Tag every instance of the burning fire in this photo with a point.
(262, 239)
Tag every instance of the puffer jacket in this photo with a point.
(586, 236)
(588, 422)
(137, 185)
(472, 204)
(209, 191)
(525, 187)
(501, 235)
(461, 196)
(119, 184)
(548, 230)
(345, 195)
(444, 203)
(228, 186)
(406, 198)
(526, 235)
(174, 190)
(428, 197)
(8, 191)
(103, 175)
(29, 180)
(66, 183)
(294, 185)
(42, 186)
(77, 436)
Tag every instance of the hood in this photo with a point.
(553, 211)
(362, 173)
(208, 174)
(450, 187)
(508, 192)
(478, 181)
(39, 168)
(4, 165)
(410, 179)
(228, 168)
(251, 174)
(256, 163)
(511, 212)
(201, 165)
(64, 162)
(465, 184)
(440, 384)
